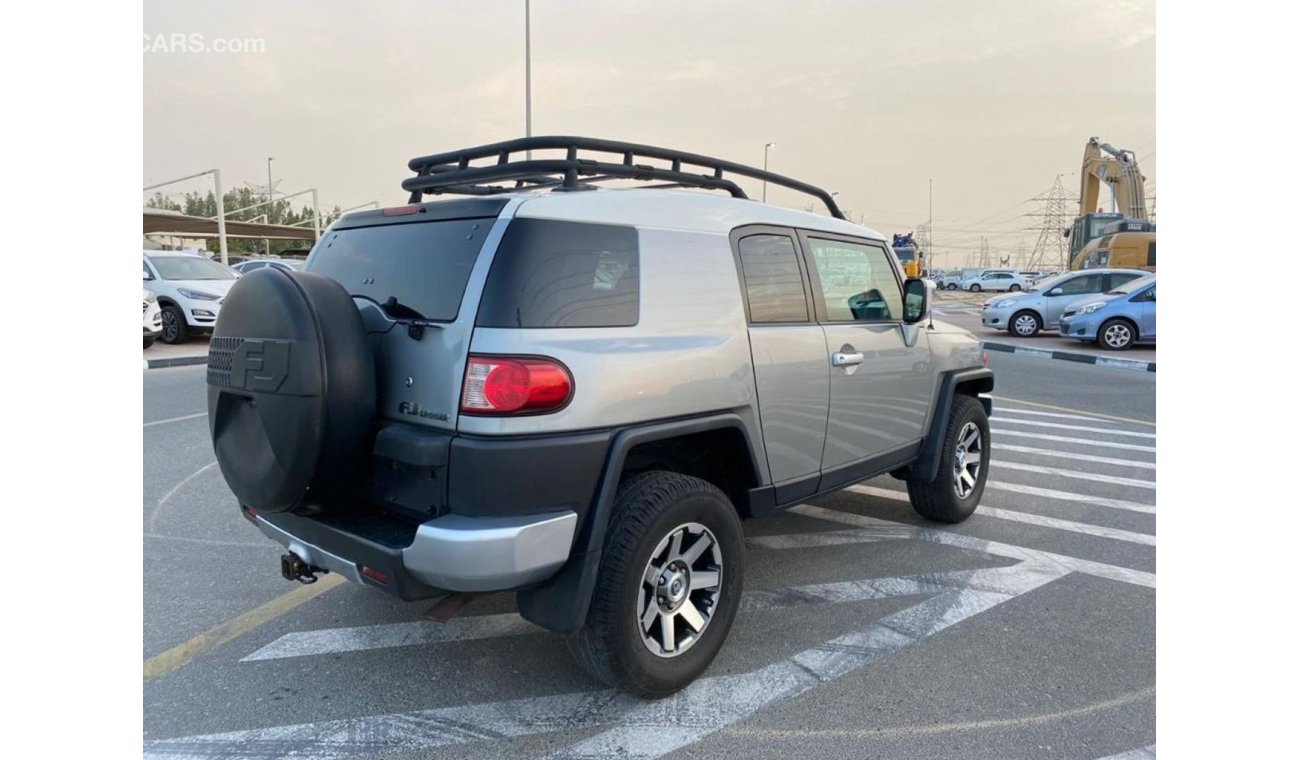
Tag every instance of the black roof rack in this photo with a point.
(451, 172)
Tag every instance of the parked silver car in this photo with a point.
(1039, 307)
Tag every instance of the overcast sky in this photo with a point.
(870, 99)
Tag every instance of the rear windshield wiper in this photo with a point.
(397, 310)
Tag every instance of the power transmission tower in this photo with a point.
(1056, 208)
(922, 239)
(984, 253)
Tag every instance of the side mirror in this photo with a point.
(916, 301)
(147, 277)
(1054, 292)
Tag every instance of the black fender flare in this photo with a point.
(560, 604)
(926, 467)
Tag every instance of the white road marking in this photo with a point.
(645, 729)
(1146, 753)
(1074, 527)
(1078, 498)
(416, 633)
(151, 523)
(1083, 428)
(1069, 564)
(425, 632)
(176, 419)
(1010, 514)
(1065, 439)
(1003, 408)
(1077, 474)
(1071, 455)
(211, 542)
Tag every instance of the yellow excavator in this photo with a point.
(909, 254)
(1123, 237)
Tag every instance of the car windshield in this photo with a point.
(1132, 285)
(190, 268)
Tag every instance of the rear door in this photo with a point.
(1071, 290)
(791, 370)
(416, 279)
(1148, 313)
(880, 380)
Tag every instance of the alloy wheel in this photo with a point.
(1117, 335)
(170, 328)
(967, 459)
(679, 590)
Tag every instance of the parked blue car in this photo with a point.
(1116, 319)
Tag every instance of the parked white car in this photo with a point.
(995, 280)
(289, 265)
(152, 319)
(190, 288)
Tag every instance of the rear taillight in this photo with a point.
(402, 210)
(514, 385)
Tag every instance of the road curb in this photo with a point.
(174, 361)
(1071, 356)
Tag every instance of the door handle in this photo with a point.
(841, 359)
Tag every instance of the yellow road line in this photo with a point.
(1076, 411)
(181, 654)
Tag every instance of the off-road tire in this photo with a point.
(938, 499)
(181, 332)
(648, 507)
(1015, 318)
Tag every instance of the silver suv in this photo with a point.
(577, 394)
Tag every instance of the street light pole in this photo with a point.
(221, 216)
(765, 148)
(270, 194)
(528, 72)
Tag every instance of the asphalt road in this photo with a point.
(1026, 632)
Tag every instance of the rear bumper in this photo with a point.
(448, 553)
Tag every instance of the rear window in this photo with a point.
(423, 265)
(549, 273)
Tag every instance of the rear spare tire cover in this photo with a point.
(291, 389)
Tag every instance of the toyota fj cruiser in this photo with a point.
(577, 394)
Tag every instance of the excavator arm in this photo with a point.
(1117, 169)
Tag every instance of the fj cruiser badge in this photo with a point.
(415, 410)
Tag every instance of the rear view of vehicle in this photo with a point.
(554, 392)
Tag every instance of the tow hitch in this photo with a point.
(294, 568)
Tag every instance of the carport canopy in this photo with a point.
(161, 222)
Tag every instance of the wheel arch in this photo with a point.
(560, 604)
(976, 383)
(1042, 321)
(1137, 329)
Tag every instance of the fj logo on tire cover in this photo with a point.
(260, 365)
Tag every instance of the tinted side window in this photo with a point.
(1080, 285)
(550, 273)
(857, 281)
(773, 284)
(1151, 253)
(1119, 278)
